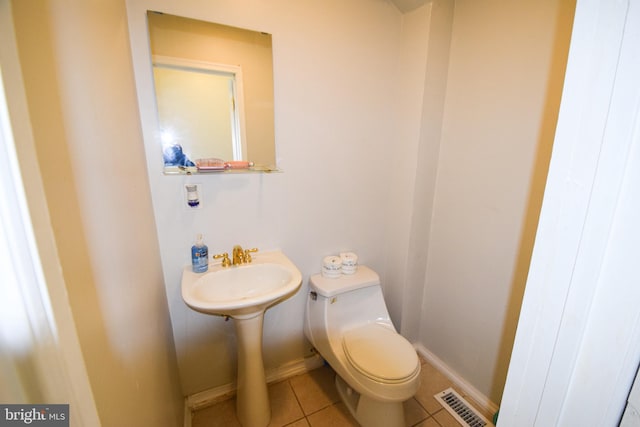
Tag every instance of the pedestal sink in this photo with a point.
(244, 292)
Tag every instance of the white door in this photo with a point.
(631, 416)
(577, 346)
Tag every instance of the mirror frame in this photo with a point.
(142, 62)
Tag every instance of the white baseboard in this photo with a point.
(464, 386)
(187, 414)
(216, 394)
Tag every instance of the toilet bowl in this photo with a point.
(348, 324)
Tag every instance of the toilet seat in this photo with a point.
(379, 353)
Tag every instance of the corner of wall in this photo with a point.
(433, 99)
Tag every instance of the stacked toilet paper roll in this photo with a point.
(349, 262)
(335, 266)
(332, 267)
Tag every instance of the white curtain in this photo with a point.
(27, 327)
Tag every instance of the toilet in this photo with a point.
(348, 324)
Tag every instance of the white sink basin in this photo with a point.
(238, 291)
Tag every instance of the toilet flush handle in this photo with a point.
(314, 295)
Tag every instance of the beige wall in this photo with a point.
(82, 103)
(335, 130)
(504, 83)
(427, 146)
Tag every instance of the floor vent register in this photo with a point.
(461, 410)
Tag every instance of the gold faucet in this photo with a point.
(238, 255)
(241, 256)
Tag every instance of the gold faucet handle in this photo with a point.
(226, 262)
(247, 255)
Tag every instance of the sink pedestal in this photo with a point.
(252, 400)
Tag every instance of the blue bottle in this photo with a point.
(200, 256)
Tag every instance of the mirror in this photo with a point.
(214, 95)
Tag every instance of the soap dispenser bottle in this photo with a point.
(200, 256)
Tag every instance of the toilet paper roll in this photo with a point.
(332, 267)
(331, 274)
(349, 259)
(349, 262)
(349, 270)
(332, 263)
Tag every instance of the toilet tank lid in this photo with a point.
(329, 287)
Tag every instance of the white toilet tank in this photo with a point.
(344, 302)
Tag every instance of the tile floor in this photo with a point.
(311, 399)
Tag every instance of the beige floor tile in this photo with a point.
(421, 359)
(300, 423)
(431, 382)
(332, 416)
(414, 412)
(284, 405)
(222, 414)
(285, 410)
(314, 395)
(429, 422)
(315, 389)
(445, 419)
